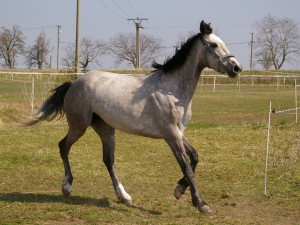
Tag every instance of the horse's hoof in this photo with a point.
(205, 209)
(66, 190)
(178, 192)
(127, 202)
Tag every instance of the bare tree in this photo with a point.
(37, 53)
(122, 46)
(90, 51)
(277, 42)
(264, 58)
(12, 44)
(69, 58)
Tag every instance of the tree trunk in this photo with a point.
(40, 65)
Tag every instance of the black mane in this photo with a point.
(179, 57)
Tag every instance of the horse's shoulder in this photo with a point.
(163, 100)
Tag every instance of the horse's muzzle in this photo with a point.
(234, 70)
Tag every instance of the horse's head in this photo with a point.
(217, 56)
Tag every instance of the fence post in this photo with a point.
(239, 82)
(214, 87)
(296, 96)
(32, 95)
(201, 83)
(267, 152)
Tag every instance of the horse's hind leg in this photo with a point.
(107, 135)
(65, 145)
(193, 155)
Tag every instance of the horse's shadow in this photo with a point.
(72, 200)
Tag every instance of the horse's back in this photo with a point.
(106, 87)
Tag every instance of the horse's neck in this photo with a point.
(187, 77)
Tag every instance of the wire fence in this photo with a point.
(291, 144)
(33, 87)
(278, 79)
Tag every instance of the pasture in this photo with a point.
(228, 128)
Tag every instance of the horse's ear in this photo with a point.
(205, 28)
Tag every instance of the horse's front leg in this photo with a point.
(176, 143)
(193, 155)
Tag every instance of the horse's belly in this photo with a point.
(130, 118)
(132, 126)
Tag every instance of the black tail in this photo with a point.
(52, 107)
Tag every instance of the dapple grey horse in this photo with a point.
(156, 105)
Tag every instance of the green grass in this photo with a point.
(228, 129)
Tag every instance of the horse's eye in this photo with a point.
(213, 45)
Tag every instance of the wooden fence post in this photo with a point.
(32, 95)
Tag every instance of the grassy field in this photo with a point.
(228, 129)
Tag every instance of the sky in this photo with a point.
(232, 20)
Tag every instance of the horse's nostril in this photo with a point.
(236, 69)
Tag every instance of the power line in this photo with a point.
(109, 9)
(137, 13)
(238, 43)
(131, 6)
(65, 42)
(167, 27)
(124, 12)
(37, 28)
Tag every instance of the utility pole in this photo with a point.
(77, 53)
(50, 64)
(137, 23)
(251, 53)
(58, 40)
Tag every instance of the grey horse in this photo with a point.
(156, 105)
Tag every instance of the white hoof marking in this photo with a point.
(122, 194)
(67, 187)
